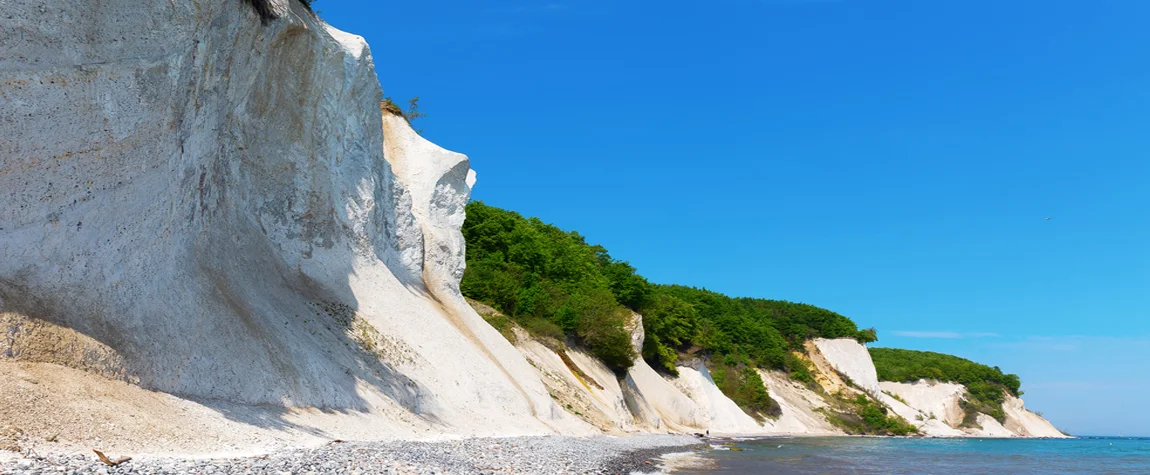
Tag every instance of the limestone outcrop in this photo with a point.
(800, 404)
(940, 401)
(1025, 423)
(934, 407)
(851, 360)
(213, 208)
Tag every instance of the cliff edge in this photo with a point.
(204, 206)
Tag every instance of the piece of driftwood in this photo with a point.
(108, 462)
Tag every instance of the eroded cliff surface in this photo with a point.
(934, 407)
(202, 205)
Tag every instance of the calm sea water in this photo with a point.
(843, 455)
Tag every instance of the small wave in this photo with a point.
(676, 461)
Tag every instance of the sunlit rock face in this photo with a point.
(202, 204)
(852, 359)
(934, 407)
(1025, 423)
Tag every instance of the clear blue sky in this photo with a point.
(892, 161)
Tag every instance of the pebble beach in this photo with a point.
(514, 455)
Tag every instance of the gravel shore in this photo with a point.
(515, 455)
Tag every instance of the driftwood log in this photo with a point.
(109, 462)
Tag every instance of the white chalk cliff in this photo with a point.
(213, 215)
(212, 208)
(934, 407)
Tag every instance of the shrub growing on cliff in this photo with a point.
(502, 323)
(389, 106)
(798, 369)
(986, 386)
(865, 416)
(745, 387)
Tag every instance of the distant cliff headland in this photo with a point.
(559, 289)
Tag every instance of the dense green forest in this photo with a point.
(987, 386)
(552, 281)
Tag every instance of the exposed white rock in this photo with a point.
(799, 405)
(675, 409)
(931, 406)
(927, 425)
(720, 414)
(205, 204)
(937, 428)
(610, 397)
(941, 412)
(648, 401)
(898, 407)
(439, 184)
(654, 401)
(989, 427)
(642, 412)
(933, 399)
(1026, 423)
(852, 359)
(825, 374)
(595, 395)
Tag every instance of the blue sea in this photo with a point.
(892, 456)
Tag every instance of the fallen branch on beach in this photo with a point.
(110, 463)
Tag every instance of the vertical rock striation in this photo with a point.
(203, 206)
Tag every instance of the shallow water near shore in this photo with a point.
(849, 455)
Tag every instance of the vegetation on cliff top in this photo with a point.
(536, 272)
(547, 278)
(389, 106)
(763, 331)
(986, 386)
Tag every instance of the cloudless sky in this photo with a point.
(891, 161)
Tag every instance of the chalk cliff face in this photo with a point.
(212, 208)
(1026, 423)
(932, 406)
(643, 400)
(204, 206)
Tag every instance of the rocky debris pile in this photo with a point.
(518, 455)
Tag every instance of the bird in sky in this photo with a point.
(1048, 219)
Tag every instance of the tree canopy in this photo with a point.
(539, 274)
(535, 271)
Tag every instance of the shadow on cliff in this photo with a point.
(244, 320)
